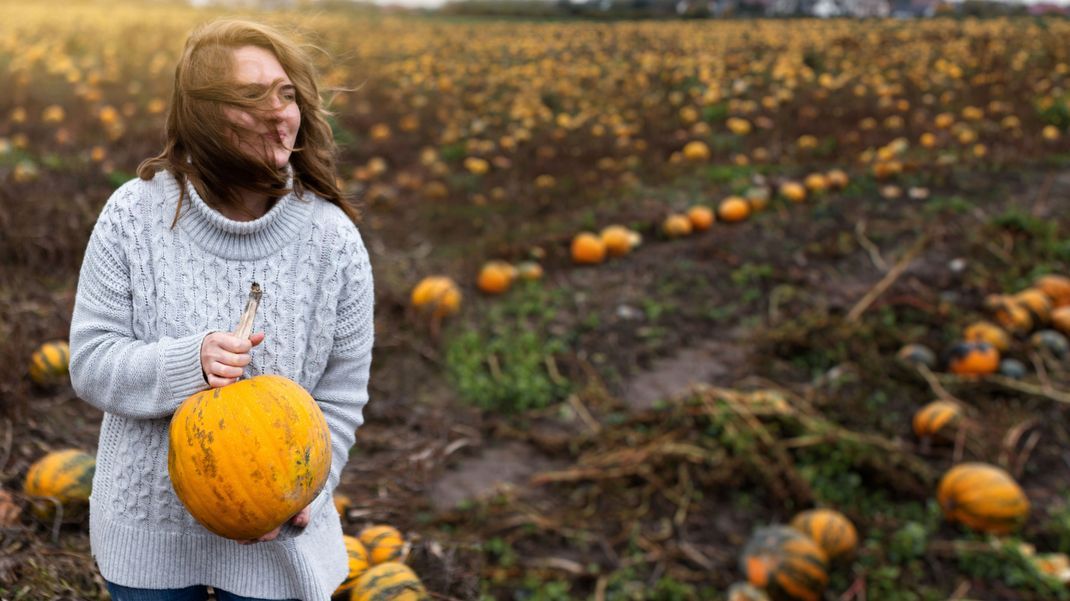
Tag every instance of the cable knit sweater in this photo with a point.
(147, 296)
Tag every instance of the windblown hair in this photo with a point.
(197, 148)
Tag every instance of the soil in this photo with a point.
(741, 306)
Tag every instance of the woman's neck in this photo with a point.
(255, 206)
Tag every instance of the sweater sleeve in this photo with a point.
(110, 368)
(342, 390)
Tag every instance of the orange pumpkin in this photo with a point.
(342, 504)
(246, 457)
(830, 529)
(973, 358)
(786, 563)
(793, 191)
(984, 331)
(588, 249)
(1038, 303)
(617, 240)
(983, 497)
(1056, 287)
(437, 294)
(676, 226)
(733, 209)
(837, 178)
(701, 217)
(1009, 313)
(816, 182)
(495, 277)
(1060, 319)
(384, 543)
(67, 477)
(936, 419)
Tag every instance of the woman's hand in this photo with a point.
(300, 520)
(224, 357)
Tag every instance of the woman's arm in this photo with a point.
(342, 391)
(109, 367)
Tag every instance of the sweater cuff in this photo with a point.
(182, 366)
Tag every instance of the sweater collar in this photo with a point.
(243, 240)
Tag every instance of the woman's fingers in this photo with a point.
(256, 338)
(225, 371)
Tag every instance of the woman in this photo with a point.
(244, 191)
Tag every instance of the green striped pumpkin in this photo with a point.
(983, 497)
(358, 562)
(786, 563)
(384, 543)
(937, 419)
(49, 363)
(66, 476)
(389, 581)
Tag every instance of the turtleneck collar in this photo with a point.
(243, 240)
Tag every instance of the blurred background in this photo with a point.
(655, 280)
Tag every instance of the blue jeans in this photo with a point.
(190, 593)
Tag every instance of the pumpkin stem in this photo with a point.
(245, 325)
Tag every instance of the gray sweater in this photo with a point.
(147, 296)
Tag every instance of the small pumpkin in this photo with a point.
(1012, 368)
(50, 362)
(342, 504)
(816, 182)
(358, 562)
(438, 295)
(1014, 316)
(588, 249)
(67, 477)
(786, 563)
(937, 419)
(529, 270)
(830, 529)
(837, 178)
(676, 226)
(733, 209)
(701, 218)
(986, 331)
(384, 543)
(617, 240)
(495, 277)
(983, 497)
(1060, 319)
(1057, 287)
(917, 354)
(246, 457)
(793, 191)
(1051, 341)
(390, 581)
(973, 358)
(1038, 304)
(758, 198)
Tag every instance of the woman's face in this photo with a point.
(274, 130)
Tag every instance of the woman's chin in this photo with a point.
(282, 159)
